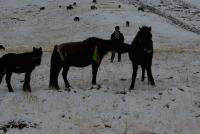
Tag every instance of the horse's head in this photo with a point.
(144, 38)
(37, 55)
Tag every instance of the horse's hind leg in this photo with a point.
(26, 86)
(143, 73)
(8, 77)
(1, 76)
(64, 74)
(150, 77)
(135, 68)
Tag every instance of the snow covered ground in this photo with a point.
(172, 107)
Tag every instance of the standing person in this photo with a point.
(118, 36)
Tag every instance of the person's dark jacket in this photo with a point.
(117, 35)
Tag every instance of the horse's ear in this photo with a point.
(40, 48)
(33, 48)
(150, 29)
(140, 28)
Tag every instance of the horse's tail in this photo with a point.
(55, 67)
(2, 70)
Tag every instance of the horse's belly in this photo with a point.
(19, 69)
(81, 61)
(80, 64)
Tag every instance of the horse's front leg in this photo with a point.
(143, 73)
(95, 67)
(64, 74)
(8, 77)
(135, 68)
(26, 86)
(150, 77)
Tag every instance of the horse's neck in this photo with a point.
(101, 49)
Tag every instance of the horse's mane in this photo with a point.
(99, 42)
(94, 38)
(136, 39)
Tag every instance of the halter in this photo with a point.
(148, 51)
(36, 58)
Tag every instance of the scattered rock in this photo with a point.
(167, 106)
(197, 116)
(121, 92)
(127, 23)
(94, 1)
(196, 73)
(141, 8)
(181, 89)
(107, 126)
(69, 7)
(17, 124)
(93, 7)
(123, 79)
(63, 116)
(160, 93)
(18, 19)
(173, 100)
(96, 125)
(148, 105)
(42, 8)
(197, 104)
(74, 4)
(153, 98)
(171, 77)
(76, 18)
(170, 89)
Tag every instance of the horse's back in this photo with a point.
(17, 59)
(72, 48)
(8, 56)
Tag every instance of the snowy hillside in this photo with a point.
(172, 107)
(183, 13)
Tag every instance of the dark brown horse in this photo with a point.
(80, 54)
(141, 53)
(20, 63)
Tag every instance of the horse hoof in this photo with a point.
(27, 90)
(130, 89)
(53, 88)
(68, 89)
(153, 84)
(95, 87)
(11, 91)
